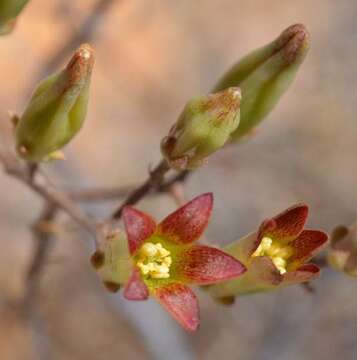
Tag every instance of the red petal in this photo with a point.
(180, 301)
(139, 226)
(187, 223)
(308, 242)
(304, 273)
(135, 288)
(289, 223)
(207, 265)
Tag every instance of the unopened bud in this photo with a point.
(265, 74)
(204, 126)
(342, 253)
(9, 10)
(56, 110)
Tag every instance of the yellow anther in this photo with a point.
(167, 261)
(279, 254)
(154, 261)
(280, 264)
(264, 245)
(149, 249)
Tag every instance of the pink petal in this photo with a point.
(135, 288)
(207, 265)
(302, 274)
(180, 301)
(307, 243)
(139, 226)
(187, 223)
(288, 224)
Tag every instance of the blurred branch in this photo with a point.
(154, 181)
(181, 177)
(109, 194)
(42, 238)
(100, 194)
(40, 184)
(85, 33)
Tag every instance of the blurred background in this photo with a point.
(151, 56)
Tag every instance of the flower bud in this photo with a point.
(265, 74)
(204, 126)
(9, 10)
(342, 253)
(56, 110)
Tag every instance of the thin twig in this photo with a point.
(42, 239)
(44, 188)
(181, 177)
(154, 181)
(109, 194)
(100, 194)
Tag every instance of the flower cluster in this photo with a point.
(163, 259)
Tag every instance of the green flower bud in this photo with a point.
(9, 10)
(204, 126)
(342, 253)
(56, 110)
(265, 74)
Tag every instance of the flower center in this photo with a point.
(277, 253)
(154, 261)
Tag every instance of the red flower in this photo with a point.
(275, 255)
(165, 259)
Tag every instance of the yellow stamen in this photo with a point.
(154, 261)
(279, 254)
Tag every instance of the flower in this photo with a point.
(165, 259)
(275, 255)
(204, 126)
(264, 75)
(342, 252)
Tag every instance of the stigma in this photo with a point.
(154, 261)
(277, 253)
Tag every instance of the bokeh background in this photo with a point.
(151, 56)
